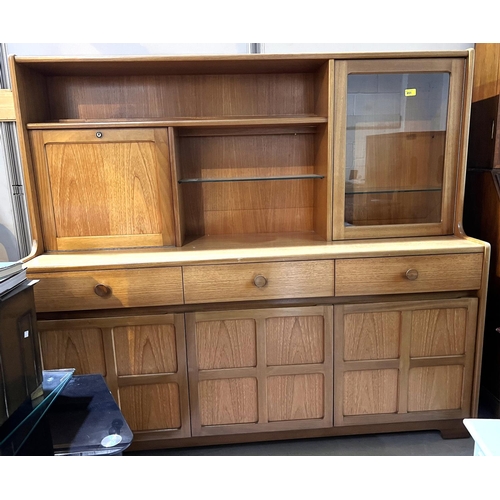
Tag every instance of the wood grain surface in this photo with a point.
(129, 288)
(228, 283)
(81, 349)
(142, 349)
(388, 275)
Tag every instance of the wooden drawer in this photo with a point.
(82, 290)
(427, 273)
(277, 280)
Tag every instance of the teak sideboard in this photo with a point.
(257, 247)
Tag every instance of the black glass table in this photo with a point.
(76, 415)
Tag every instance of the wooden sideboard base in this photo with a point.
(449, 429)
(460, 432)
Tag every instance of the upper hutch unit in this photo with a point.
(257, 247)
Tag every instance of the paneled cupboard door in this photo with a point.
(108, 188)
(143, 359)
(396, 147)
(401, 362)
(260, 370)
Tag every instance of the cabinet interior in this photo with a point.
(250, 181)
(148, 90)
(248, 145)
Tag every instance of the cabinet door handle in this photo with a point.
(412, 274)
(102, 290)
(260, 281)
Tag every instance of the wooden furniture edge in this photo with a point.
(26, 165)
(7, 108)
(150, 440)
(244, 57)
(142, 258)
(463, 148)
(482, 295)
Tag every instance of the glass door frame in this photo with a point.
(343, 68)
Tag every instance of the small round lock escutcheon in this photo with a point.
(260, 281)
(98, 135)
(102, 290)
(412, 274)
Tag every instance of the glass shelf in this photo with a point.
(391, 191)
(253, 179)
(17, 429)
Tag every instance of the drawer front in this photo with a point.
(436, 273)
(82, 290)
(239, 282)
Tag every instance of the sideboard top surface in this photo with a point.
(259, 248)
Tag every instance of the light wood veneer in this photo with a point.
(75, 291)
(195, 243)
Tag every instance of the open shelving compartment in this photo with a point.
(251, 181)
(249, 141)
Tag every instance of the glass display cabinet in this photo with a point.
(395, 160)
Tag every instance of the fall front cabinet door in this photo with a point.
(260, 370)
(143, 359)
(106, 188)
(397, 362)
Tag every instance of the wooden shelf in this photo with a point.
(220, 121)
(253, 179)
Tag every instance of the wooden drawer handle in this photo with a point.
(260, 281)
(412, 274)
(102, 290)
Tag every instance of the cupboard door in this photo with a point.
(399, 131)
(397, 362)
(104, 189)
(143, 359)
(260, 370)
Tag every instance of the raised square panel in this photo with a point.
(370, 392)
(81, 349)
(226, 344)
(438, 332)
(295, 340)
(295, 397)
(145, 349)
(435, 388)
(228, 401)
(372, 335)
(151, 407)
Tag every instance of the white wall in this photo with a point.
(93, 49)
(117, 49)
(300, 48)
